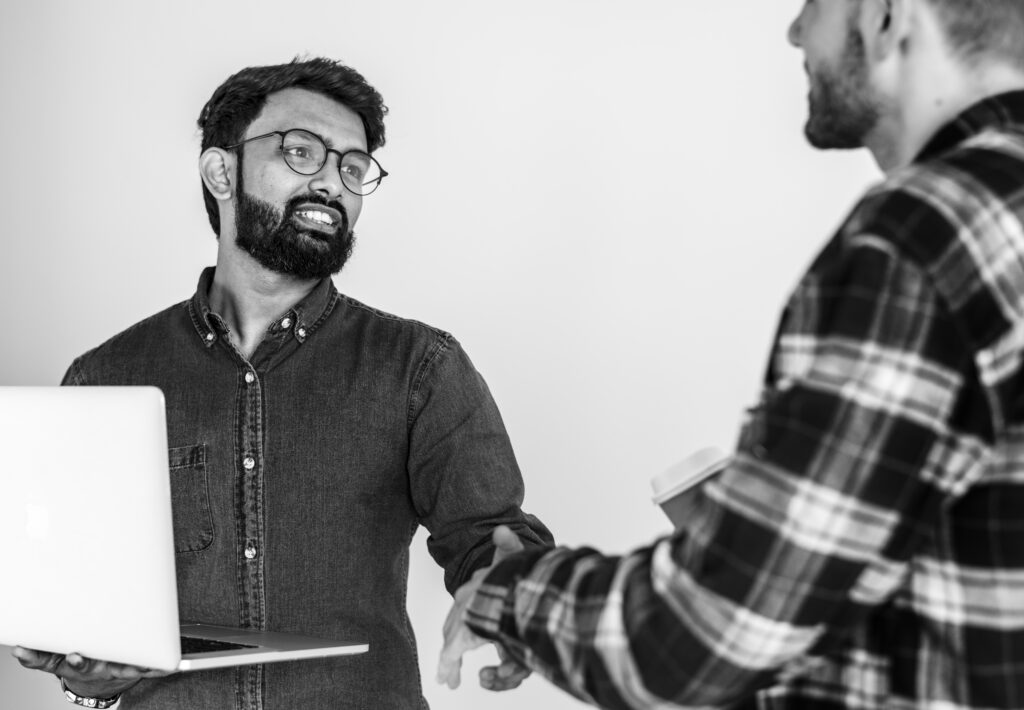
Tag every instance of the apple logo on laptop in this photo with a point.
(37, 521)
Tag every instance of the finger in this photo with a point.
(79, 664)
(79, 667)
(506, 676)
(491, 679)
(506, 542)
(497, 685)
(156, 673)
(512, 669)
(448, 669)
(123, 672)
(450, 662)
(119, 671)
(37, 660)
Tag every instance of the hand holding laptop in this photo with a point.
(136, 621)
(86, 676)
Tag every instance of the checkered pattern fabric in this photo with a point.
(866, 547)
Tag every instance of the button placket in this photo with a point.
(249, 443)
(250, 501)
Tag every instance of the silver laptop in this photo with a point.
(86, 538)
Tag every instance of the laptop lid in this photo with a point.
(85, 520)
(88, 548)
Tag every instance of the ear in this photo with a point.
(885, 25)
(217, 168)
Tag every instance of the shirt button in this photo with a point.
(249, 463)
(250, 378)
(250, 550)
(286, 323)
(302, 332)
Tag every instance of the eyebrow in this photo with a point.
(327, 141)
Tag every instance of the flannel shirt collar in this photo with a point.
(1000, 110)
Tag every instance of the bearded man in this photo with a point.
(865, 548)
(309, 434)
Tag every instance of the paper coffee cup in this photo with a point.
(671, 486)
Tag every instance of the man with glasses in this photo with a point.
(865, 548)
(310, 434)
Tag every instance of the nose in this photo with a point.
(327, 181)
(795, 28)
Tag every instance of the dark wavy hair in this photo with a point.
(238, 101)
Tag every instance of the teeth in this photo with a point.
(317, 216)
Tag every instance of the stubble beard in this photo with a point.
(842, 111)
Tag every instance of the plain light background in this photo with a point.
(606, 203)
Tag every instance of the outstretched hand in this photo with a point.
(85, 676)
(458, 639)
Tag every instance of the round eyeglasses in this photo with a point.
(305, 152)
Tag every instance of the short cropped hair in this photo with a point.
(979, 29)
(238, 101)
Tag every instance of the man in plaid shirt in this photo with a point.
(866, 547)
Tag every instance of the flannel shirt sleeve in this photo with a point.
(838, 476)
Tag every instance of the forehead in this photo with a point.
(339, 125)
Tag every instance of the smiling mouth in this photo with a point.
(312, 218)
(317, 216)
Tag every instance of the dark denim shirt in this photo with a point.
(298, 479)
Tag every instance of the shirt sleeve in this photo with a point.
(462, 471)
(838, 476)
(74, 375)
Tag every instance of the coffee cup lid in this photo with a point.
(687, 473)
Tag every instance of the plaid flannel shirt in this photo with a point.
(865, 549)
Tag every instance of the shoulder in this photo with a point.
(428, 357)
(949, 228)
(943, 207)
(377, 323)
(150, 334)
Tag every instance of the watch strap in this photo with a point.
(100, 703)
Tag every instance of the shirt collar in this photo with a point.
(302, 319)
(994, 111)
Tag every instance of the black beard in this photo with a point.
(272, 238)
(841, 111)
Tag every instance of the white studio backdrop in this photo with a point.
(606, 203)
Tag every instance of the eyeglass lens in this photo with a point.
(305, 153)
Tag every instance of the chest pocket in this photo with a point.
(190, 498)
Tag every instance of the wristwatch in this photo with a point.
(100, 703)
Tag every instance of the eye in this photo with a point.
(301, 152)
(355, 171)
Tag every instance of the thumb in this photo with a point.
(506, 542)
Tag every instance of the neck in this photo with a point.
(249, 297)
(927, 91)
